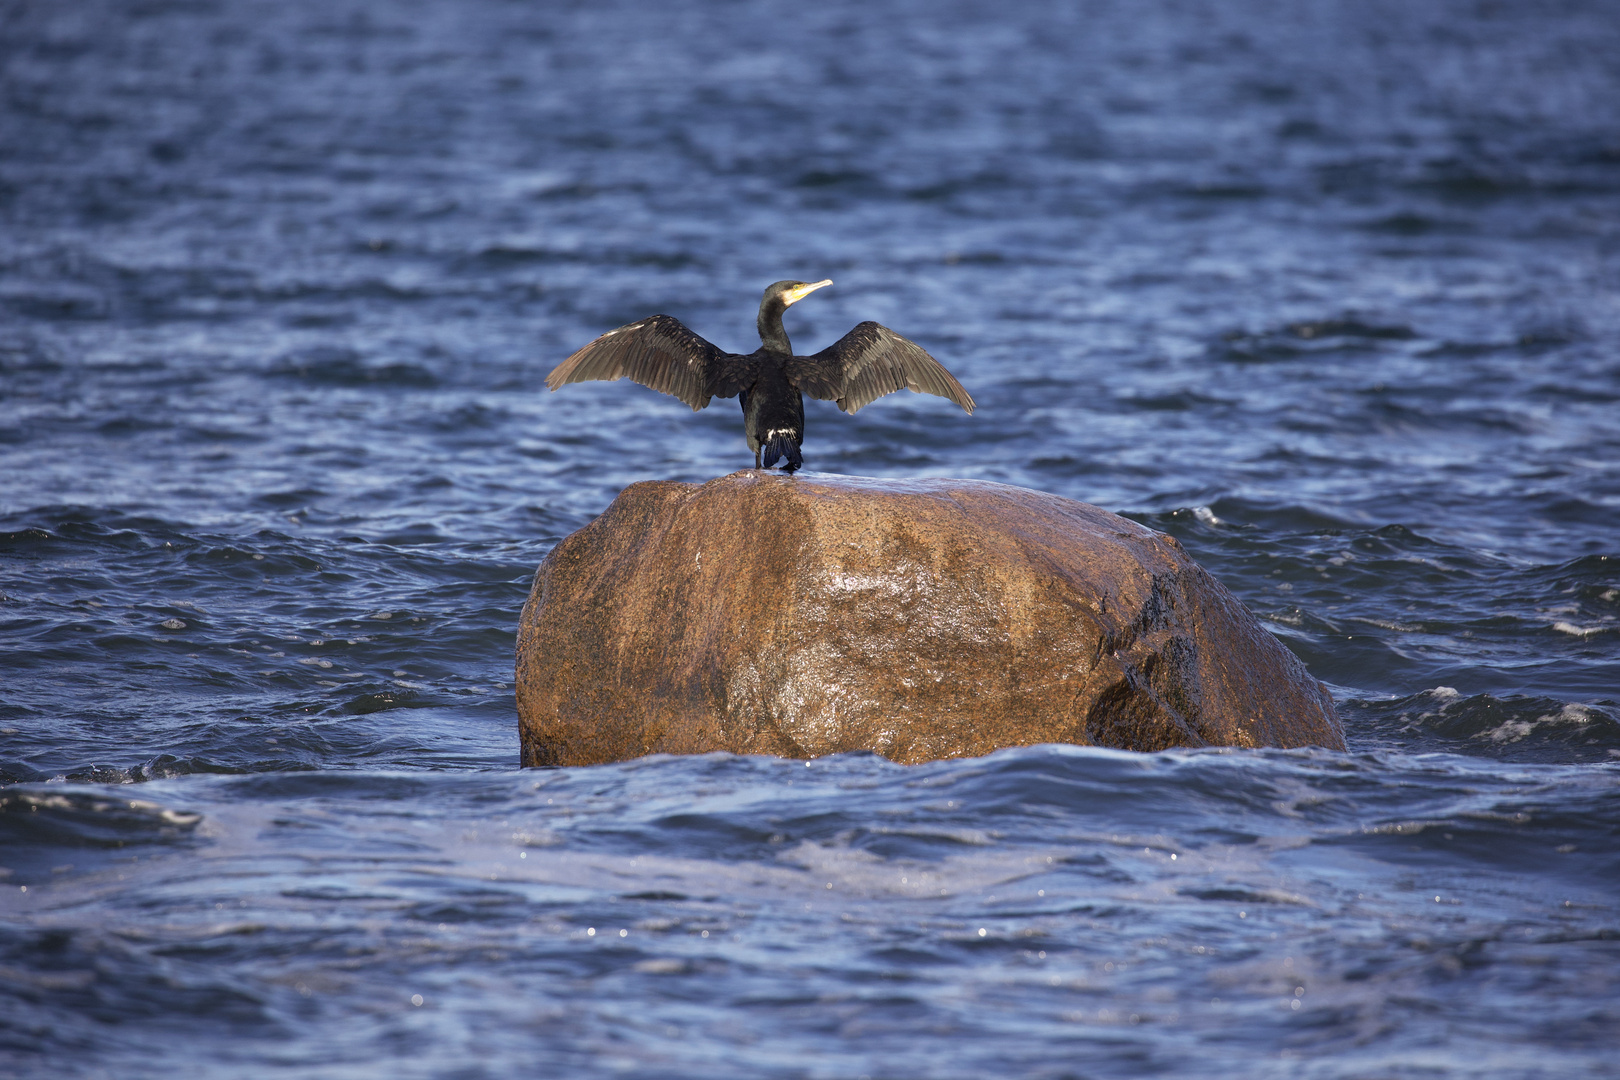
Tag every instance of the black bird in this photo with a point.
(862, 366)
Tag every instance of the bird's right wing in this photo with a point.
(659, 352)
(869, 362)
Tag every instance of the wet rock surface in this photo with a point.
(918, 619)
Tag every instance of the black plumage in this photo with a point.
(860, 367)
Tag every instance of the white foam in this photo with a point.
(1512, 731)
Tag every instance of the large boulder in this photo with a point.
(920, 619)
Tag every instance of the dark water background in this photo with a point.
(1330, 291)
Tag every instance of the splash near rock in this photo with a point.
(919, 619)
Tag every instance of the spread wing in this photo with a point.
(659, 352)
(869, 362)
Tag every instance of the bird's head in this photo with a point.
(777, 299)
(788, 293)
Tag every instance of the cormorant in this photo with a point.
(862, 366)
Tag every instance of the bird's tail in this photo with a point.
(778, 444)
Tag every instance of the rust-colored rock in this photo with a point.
(807, 615)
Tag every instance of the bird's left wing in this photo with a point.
(659, 352)
(869, 362)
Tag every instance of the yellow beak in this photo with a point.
(793, 296)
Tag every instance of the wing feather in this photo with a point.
(869, 362)
(658, 352)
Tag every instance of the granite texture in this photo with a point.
(925, 619)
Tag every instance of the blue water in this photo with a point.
(1329, 291)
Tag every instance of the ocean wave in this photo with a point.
(1516, 727)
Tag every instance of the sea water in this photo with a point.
(1328, 291)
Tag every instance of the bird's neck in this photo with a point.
(771, 334)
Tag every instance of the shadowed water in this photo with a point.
(1328, 291)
